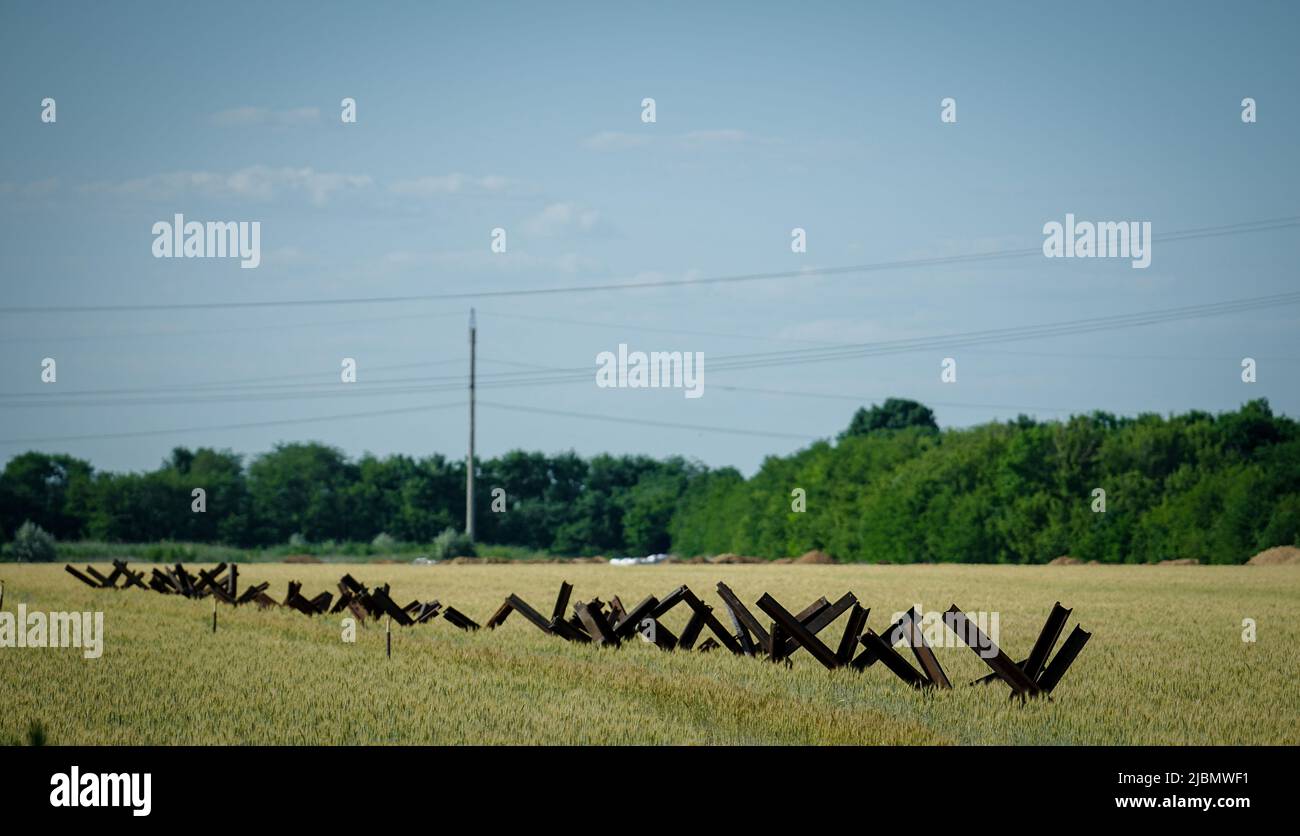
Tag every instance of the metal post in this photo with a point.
(469, 464)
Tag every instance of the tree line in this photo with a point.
(891, 488)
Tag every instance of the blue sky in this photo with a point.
(527, 117)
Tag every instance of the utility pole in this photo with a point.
(469, 468)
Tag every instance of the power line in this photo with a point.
(863, 399)
(760, 360)
(404, 410)
(221, 427)
(653, 329)
(1266, 225)
(274, 382)
(623, 326)
(1018, 333)
(1069, 355)
(277, 326)
(757, 360)
(338, 391)
(592, 416)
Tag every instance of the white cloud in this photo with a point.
(494, 183)
(448, 184)
(716, 137)
(35, 188)
(258, 183)
(725, 136)
(560, 218)
(616, 141)
(289, 256)
(486, 261)
(263, 184)
(844, 330)
(265, 116)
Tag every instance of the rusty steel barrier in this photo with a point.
(609, 624)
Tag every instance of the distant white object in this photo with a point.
(425, 561)
(648, 560)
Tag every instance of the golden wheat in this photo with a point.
(1166, 663)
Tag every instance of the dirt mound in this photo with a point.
(1181, 561)
(814, 556)
(302, 558)
(728, 557)
(1276, 556)
(784, 560)
(1064, 560)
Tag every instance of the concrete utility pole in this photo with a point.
(469, 464)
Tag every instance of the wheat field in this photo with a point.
(1166, 664)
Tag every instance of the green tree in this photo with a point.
(893, 414)
(303, 489)
(53, 491)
